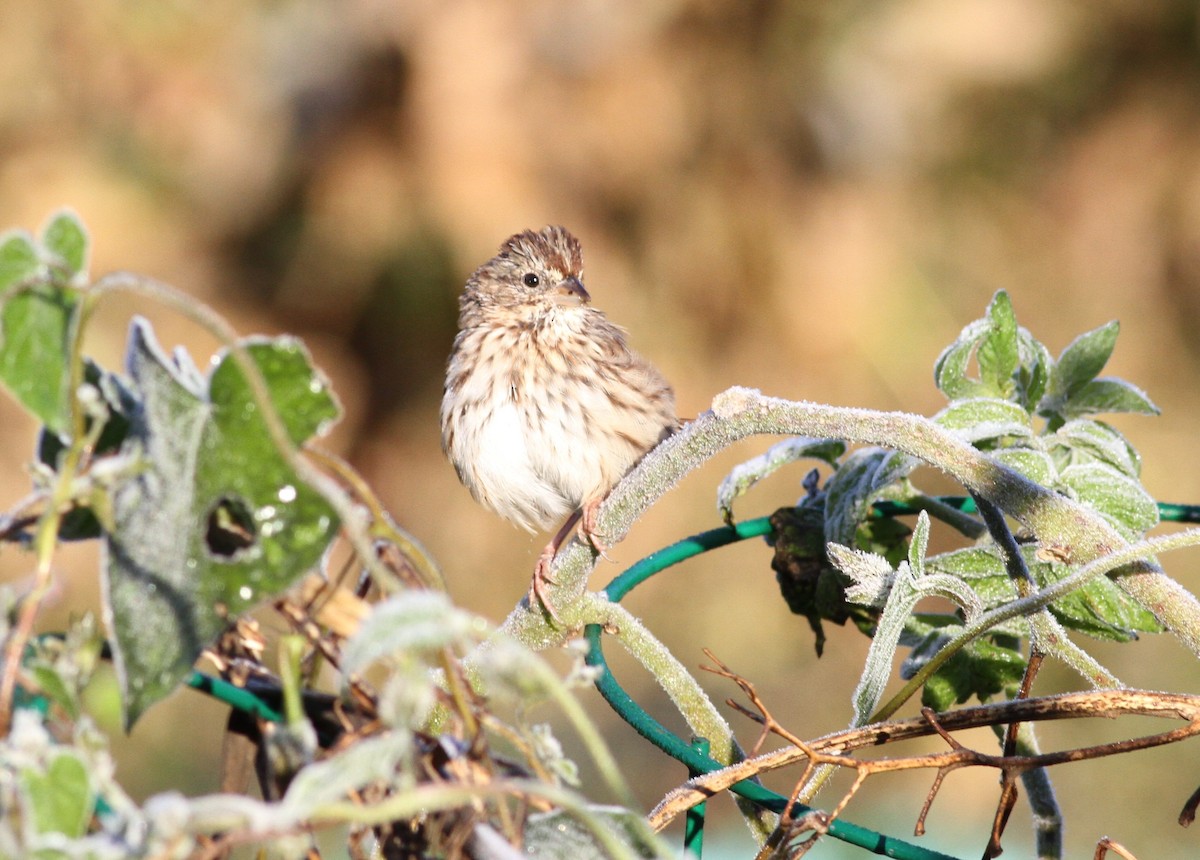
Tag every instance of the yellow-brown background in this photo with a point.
(806, 197)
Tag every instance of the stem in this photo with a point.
(689, 698)
(741, 412)
(46, 538)
(1033, 603)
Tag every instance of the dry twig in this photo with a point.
(835, 748)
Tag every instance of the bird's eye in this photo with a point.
(531, 280)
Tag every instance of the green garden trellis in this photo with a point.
(653, 731)
(649, 728)
(693, 754)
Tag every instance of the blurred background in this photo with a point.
(808, 198)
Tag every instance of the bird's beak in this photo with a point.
(570, 293)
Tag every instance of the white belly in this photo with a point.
(504, 474)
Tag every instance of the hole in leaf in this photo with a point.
(230, 528)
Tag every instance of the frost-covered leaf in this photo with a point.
(982, 418)
(1098, 608)
(979, 566)
(998, 352)
(1013, 365)
(216, 520)
(863, 477)
(1109, 395)
(1117, 497)
(559, 834)
(66, 239)
(1033, 373)
(36, 319)
(870, 574)
(1084, 439)
(744, 476)
(1036, 465)
(950, 371)
(1082, 361)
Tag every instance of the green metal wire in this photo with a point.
(683, 550)
(649, 728)
(235, 697)
(653, 731)
(1168, 512)
(645, 725)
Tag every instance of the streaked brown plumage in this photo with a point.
(546, 407)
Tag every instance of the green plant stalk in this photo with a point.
(689, 698)
(46, 536)
(420, 801)
(610, 771)
(453, 685)
(741, 412)
(676, 681)
(1047, 816)
(291, 651)
(1053, 639)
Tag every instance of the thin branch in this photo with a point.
(833, 748)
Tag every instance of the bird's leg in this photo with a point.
(588, 530)
(541, 573)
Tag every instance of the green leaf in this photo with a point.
(1115, 496)
(216, 520)
(980, 567)
(983, 668)
(1084, 440)
(35, 319)
(885, 536)
(52, 685)
(744, 476)
(1099, 608)
(562, 834)
(983, 418)
(1033, 375)
(18, 259)
(998, 353)
(1035, 465)
(863, 477)
(950, 371)
(1083, 359)
(59, 800)
(1109, 395)
(66, 238)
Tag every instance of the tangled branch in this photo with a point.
(834, 749)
